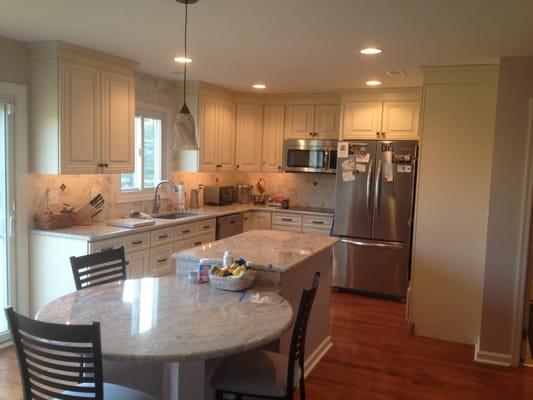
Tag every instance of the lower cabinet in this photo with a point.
(248, 221)
(138, 264)
(262, 220)
(160, 260)
(317, 224)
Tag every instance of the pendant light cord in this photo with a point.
(186, 55)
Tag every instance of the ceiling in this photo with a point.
(291, 45)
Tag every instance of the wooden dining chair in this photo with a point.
(62, 361)
(99, 268)
(264, 374)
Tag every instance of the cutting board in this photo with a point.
(130, 222)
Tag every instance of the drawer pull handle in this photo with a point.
(197, 243)
(206, 226)
(318, 222)
(162, 260)
(186, 231)
(287, 219)
(107, 248)
(163, 236)
(137, 242)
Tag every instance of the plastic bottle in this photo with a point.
(181, 197)
(228, 258)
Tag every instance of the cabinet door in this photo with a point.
(161, 262)
(80, 119)
(208, 135)
(300, 120)
(273, 138)
(226, 136)
(400, 120)
(138, 264)
(327, 118)
(249, 137)
(248, 224)
(118, 117)
(361, 120)
(262, 220)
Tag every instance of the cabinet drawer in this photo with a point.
(185, 230)
(160, 261)
(316, 231)
(136, 242)
(286, 219)
(104, 245)
(208, 225)
(290, 228)
(138, 264)
(203, 239)
(317, 221)
(161, 236)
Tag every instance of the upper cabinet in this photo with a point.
(312, 122)
(273, 123)
(394, 120)
(82, 110)
(217, 135)
(249, 137)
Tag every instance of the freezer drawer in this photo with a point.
(371, 267)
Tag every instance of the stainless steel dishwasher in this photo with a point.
(229, 225)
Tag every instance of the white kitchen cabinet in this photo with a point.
(160, 260)
(82, 110)
(287, 219)
(380, 120)
(217, 135)
(248, 221)
(262, 220)
(312, 122)
(138, 264)
(273, 124)
(118, 111)
(289, 228)
(249, 137)
(400, 120)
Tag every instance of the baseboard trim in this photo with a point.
(317, 355)
(492, 358)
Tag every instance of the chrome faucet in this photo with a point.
(156, 205)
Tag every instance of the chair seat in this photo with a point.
(116, 392)
(258, 372)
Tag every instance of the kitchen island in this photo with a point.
(284, 262)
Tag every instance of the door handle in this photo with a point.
(377, 188)
(370, 244)
(12, 226)
(368, 180)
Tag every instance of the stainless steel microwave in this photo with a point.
(303, 155)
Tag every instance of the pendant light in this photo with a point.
(184, 126)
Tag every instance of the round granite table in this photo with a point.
(169, 320)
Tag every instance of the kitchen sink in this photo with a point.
(175, 215)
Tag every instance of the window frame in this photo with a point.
(156, 112)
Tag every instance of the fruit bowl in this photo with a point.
(233, 283)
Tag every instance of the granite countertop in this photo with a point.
(266, 250)
(170, 319)
(101, 231)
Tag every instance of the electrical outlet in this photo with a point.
(53, 197)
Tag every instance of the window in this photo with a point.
(148, 155)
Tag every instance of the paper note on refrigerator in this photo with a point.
(342, 149)
(362, 157)
(348, 176)
(360, 167)
(348, 165)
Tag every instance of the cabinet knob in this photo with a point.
(377, 134)
(279, 167)
(237, 166)
(383, 134)
(103, 165)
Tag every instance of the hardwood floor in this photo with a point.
(373, 358)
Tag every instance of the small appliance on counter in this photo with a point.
(219, 195)
(278, 201)
(194, 201)
(244, 193)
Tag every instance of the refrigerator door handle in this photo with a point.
(377, 188)
(370, 244)
(368, 180)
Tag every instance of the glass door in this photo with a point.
(7, 222)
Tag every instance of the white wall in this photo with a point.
(452, 204)
(503, 297)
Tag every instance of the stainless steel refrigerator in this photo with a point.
(373, 216)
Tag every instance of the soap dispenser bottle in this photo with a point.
(181, 197)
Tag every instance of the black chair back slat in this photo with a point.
(99, 268)
(55, 359)
(297, 348)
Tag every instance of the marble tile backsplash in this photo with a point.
(312, 190)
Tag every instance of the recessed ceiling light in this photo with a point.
(259, 86)
(373, 83)
(371, 51)
(183, 60)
